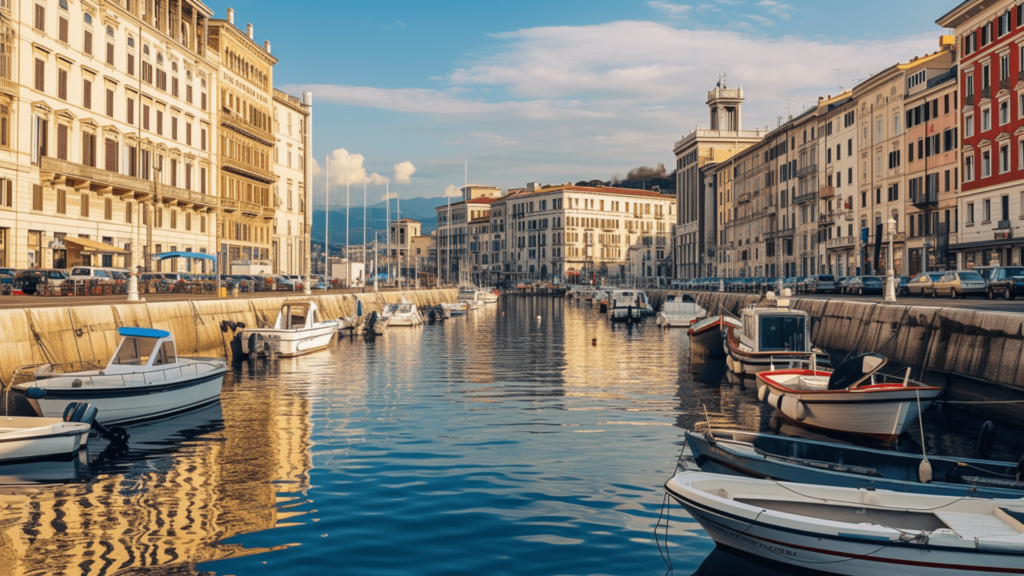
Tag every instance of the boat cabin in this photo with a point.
(297, 316)
(626, 298)
(775, 330)
(399, 308)
(467, 293)
(142, 348)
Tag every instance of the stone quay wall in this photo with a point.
(89, 333)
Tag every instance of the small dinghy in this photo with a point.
(813, 462)
(438, 312)
(144, 379)
(855, 531)
(707, 338)
(402, 314)
(298, 330)
(460, 308)
(30, 438)
(855, 398)
(374, 325)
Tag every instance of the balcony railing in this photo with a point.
(942, 78)
(827, 219)
(775, 234)
(986, 92)
(1003, 225)
(969, 99)
(805, 198)
(188, 196)
(233, 121)
(826, 192)
(251, 209)
(248, 170)
(807, 170)
(925, 199)
(229, 204)
(269, 212)
(743, 198)
(1004, 84)
(94, 176)
(838, 243)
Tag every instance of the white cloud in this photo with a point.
(761, 19)
(388, 196)
(778, 8)
(452, 191)
(669, 9)
(347, 168)
(404, 171)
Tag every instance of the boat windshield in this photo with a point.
(135, 351)
(166, 355)
(295, 317)
(782, 334)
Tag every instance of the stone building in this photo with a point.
(455, 226)
(289, 233)
(694, 238)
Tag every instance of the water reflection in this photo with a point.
(530, 437)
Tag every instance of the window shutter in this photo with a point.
(40, 75)
(62, 84)
(131, 64)
(37, 197)
(88, 42)
(62, 30)
(40, 18)
(110, 54)
(110, 103)
(62, 142)
(130, 114)
(87, 94)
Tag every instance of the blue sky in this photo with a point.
(406, 90)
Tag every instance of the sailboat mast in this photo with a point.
(327, 217)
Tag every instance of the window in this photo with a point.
(915, 79)
(62, 29)
(1004, 67)
(986, 164)
(84, 206)
(40, 21)
(174, 87)
(62, 201)
(970, 212)
(174, 128)
(130, 111)
(986, 120)
(40, 79)
(37, 197)
(986, 211)
(62, 84)
(160, 122)
(1004, 23)
(969, 125)
(87, 41)
(89, 149)
(1004, 159)
(110, 155)
(896, 125)
(108, 209)
(188, 133)
(62, 141)
(968, 168)
(188, 94)
(202, 138)
(1004, 112)
(110, 103)
(87, 94)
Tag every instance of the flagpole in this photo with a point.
(327, 219)
(364, 231)
(348, 204)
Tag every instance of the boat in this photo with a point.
(488, 295)
(791, 459)
(374, 325)
(298, 330)
(679, 313)
(25, 438)
(455, 308)
(626, 305)
(144, 379)
(437, 312)
(856, 398)
(707, 338)
(769, 335)
(855, 531)
(402, 314)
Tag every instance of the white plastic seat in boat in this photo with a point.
(970, 526)
(813, 383)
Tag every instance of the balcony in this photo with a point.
(925, 199)
(1004, 84)
(807, 170)
(229, 205)
(943, 78)
(248, 170)
(986, 92)
(236, 123)
(776, 234)
(839, 243)
(805, 198)
(826, 192)
(1003, 225)
(269, 212)
(186, 196)
(969, 99)
(94, 179)
(825, 220)
(250, 209)
(743, 198)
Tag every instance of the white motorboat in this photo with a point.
(467, 293)
(298, 330)
(855, 398)
(375, 325)
(460, 308)
(144, 379)
(402, 314)
(770, 335)
(679, 314)
(29, 438)
(626, 305)
(487, 295)
(855, 531)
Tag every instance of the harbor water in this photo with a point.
(531, 437)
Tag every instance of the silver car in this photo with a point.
(962, 284)
(924, 284)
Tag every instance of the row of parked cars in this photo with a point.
(991, 282)
(115, 280)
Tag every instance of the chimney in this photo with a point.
(231, 16)
(248, 28)
(266, 46)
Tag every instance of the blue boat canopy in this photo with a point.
(198, 255)
(143, 332)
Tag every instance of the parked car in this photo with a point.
(861, 285)
(1005, 281)
(29, 280)
(902, 282)
(960, 284)
(96, 273)
(7, 283)
(923, 284)
(821, 283)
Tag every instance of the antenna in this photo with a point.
(839, 72)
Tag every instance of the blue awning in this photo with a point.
(199, 255)
(143, 332)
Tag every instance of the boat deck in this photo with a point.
(904, 520)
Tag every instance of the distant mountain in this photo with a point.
(421, 209)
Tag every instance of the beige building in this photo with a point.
(403, 232)
(694, 238)
(839, 143)
(289, 238)
(105, 133)
(456, 224)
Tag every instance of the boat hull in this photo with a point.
(122, 404)
(291, 343)
(59, 438)
(706, 341)
(881, 413)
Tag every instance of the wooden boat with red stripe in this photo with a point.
(854, 398)
(855, 531)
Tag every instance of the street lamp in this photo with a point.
(890, 284)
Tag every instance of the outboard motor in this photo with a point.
(86, 414)
(369, 325)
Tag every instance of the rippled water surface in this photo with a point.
(527, 438)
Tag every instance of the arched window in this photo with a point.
(145, 49)
(159, 58)
(131, 42)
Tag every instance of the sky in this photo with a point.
(408, 93)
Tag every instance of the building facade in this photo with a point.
(694, 238)
(989, 214)
(289, 234)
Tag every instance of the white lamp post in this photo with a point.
(890, 284)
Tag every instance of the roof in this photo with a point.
(481, 201)
(410, 220)
(964, 11)
(142, 332)
(94, 246)
(601, 190)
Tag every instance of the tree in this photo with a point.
(647, 173)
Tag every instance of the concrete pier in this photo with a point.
(89, 333)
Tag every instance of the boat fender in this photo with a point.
(778, 403)
(924, 471)
(801, 411)
(773, 399)
(35, 393)
(762, 393)
(986, 439)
